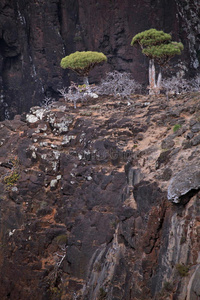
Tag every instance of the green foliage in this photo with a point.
(150, 37)
(182, 270)
(157, 45)
(82, 88)
(11, 179)
(176, 127)
(163, 51)
(82, 62)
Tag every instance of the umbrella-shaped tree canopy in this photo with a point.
(82, 62)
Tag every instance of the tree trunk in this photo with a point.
(86, 81)
(152, 77)
(158, 86)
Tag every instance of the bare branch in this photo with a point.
(117, 84)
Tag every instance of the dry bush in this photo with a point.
(47, 102)
(195, 82)
(175, 86)
(117, 84)
(77, 93)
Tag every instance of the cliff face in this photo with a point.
(35, 35)
(96, 207)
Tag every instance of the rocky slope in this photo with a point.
(101, 202)
(35, 35)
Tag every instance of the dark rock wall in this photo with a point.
(35, 35)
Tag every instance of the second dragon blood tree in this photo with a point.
(159, 48)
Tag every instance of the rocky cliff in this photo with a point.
(35, 35)
(101, 202)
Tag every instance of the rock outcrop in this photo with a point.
(185, 181)
(35, 35)
(84, 212)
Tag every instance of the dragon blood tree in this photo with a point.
(159, 48)
(83, 62)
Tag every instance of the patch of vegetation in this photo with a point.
(182, 270)
(82, 88)
(117, 84)
(11, 179)
(61, 239)
(176, 127)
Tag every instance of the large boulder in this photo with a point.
(188, 179)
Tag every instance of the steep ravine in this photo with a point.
(101, 202)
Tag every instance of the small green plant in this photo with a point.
(82, 88)
(11, 179)
(176, 127)
(182, 270)
(61, 239)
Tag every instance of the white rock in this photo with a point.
(53, 183)
(31, 118)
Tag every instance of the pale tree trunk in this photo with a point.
(153, 74)
(152, 77)
(158, 86)
(86, 81)
(154, 86)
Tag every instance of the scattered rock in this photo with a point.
(196, 140)
(167, 143)
(195, 128)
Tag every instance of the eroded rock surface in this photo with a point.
(185, 181)
(84, 212)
